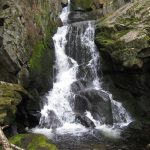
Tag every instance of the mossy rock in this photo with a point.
(10, 98)
(41, 61)
(32, 142)
(81, 4)
(125, 35)
(41, 67)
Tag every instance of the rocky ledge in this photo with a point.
(124, 34)
(10, 96)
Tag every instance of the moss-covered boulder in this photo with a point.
(32, 142)
(10, 97)
(125, 34)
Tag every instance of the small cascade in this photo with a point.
(77, 98)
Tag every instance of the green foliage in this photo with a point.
(105, 41)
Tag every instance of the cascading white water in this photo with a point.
(58, 99)
(87, 39)
(120, 116)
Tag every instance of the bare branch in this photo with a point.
(16, 147)
(6, 126)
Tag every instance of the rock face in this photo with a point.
(12, 31)
(26, 50)
(25, 30)
(123, 41)
(128, 38)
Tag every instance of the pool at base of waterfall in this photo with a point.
(70, 137)
(102, 138)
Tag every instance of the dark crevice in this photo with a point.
(2, 21)
(5, 7)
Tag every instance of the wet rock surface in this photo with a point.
(52, 122)
(85, 121)
(97, 103)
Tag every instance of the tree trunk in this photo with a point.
(4, 140)
(5, 143)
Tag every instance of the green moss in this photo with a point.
(35, 59)
(10, 97)
(129, 20)
(139, 9)
(122, 33)
(17, 139)
(147, 38)
(32, 142)
(105, 41)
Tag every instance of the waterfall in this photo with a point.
(77, 93)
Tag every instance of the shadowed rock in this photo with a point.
(97, 103)
(51, 121)
(85, 121)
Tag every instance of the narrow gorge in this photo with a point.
(75, 74)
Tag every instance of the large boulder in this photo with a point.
(10, 97)
(96, 102)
